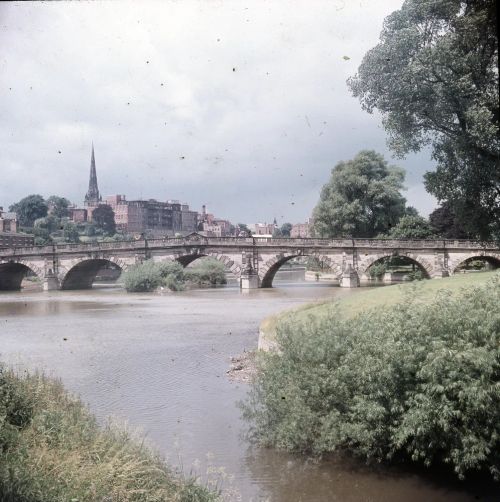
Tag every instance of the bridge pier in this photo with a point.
(349, 278)
(51, 282)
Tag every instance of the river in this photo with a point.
(159, 362)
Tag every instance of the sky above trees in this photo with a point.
(242, 106)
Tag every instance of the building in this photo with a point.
(264, 229)
(8, 221)
(302, 230)
(9, 236)
(212, 226)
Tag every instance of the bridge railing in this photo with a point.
(201, 240)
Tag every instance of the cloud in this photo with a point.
(239, 105)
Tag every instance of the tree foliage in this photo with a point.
(362, 198)
(207, 272)
(446, 224)
(29, 209)
(411, 227)
(434, 78)
(70, 232)
(104, 217)
(58, 206)
(417, 381)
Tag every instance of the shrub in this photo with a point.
(207, 272)
(416, 381)
(59, 453)
(149, 276)
(377, 270)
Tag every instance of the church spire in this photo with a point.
(92, 197)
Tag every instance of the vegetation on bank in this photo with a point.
(415, 377)
(51, 449)
(150, 275)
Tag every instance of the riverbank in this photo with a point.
(51, 448)
(373, 297)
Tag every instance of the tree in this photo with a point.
(70, 232)
(242, 230)
(104, 217)
(49, 223)
(434, 78)
(58, 206)
(411, 227)
(30, 209)
(445, 223)
(362, 198)
(286, 228)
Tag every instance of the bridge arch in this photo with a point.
(493, 259)
(230, 264)
(12, 274)
(424, 265)
(268, 271)
(82, 274)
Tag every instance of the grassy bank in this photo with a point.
(51, 449)
(376, 297)
(399, 374)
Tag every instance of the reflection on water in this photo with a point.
(160, 362)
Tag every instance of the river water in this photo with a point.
(159, 363)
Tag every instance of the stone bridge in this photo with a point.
(253, 260)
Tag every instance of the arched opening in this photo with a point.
(82, 275)
(302, 268)
(396, 269)
(478, 264)
(12, 275)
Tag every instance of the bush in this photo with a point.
(416, 381)
(377, 270)
(149, 276)
(207, 272)
(56, 452)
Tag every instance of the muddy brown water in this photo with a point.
(159, 363)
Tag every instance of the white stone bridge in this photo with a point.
(254, 261)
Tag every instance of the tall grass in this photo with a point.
(52, 449)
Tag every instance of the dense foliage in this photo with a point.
(51, 449)
(29, 209)
(361, 199)
(416, 381)
(434, 78)
(58, 206)
(411, 227)
(150, 275)
(103, 217)
(445, 223)
(207, 272)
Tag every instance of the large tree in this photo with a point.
(104, 217)
(412, 227)
(434, 78)
(445, 223)
(58, 206)
(30, 209)
(362, 199)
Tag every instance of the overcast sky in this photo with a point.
(242, 106)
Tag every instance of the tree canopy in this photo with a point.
(411, 227)
(362, 198)
(58, 206)
(434, 78)
(445, 223)
(104, 217)
(29, 209)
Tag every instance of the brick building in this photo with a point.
(9, 236)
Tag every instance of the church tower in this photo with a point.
(92, 198)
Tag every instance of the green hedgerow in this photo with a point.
(418, 380)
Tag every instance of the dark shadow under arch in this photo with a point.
(12, 275)
(491, 260)
(185, 260)
(82, 275)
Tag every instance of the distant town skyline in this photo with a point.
(240, 107)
